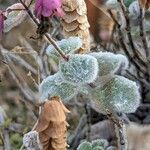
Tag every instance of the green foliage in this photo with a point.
(99, 144)
(79, 69)
(54, 85)
(109, 62)
(119, 94)
(69, 45)
(85, 146)
(16, 140)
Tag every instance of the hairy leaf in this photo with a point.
(54, 85)
(109, 62)
(69, 45)
(119, 94)
(79, 69)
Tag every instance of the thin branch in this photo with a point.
(142, 33)
(46, 35)
(128, 29)
(20, 61)
(125, 49)
(120, 130)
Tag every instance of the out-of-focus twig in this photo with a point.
(142, 33)
(120, 130)
(125, 49)
(20, 61)
(128, 29)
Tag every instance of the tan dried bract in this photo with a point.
(145, 4)
(52, 125)
(75, 22)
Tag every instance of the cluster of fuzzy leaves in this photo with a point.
(99, 144)
(116, 92)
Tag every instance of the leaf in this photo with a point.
(85, 146)
(109, 62)
(31, 141)
(14, 18)
(100, 143)
(144, 4)
(69, 45)
(119, 94)
(54, 85)
(79, 69)
(54, 136)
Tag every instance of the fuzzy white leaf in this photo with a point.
(109, 62)
(54, 85)
(69, 45)
(79, 69)
(119, 94)
(31, 141)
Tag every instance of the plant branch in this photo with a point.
(46, 35)
(128, 29)
(142, 33)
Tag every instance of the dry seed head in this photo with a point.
(75, 22)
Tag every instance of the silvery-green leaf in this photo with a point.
(119, 94)
(79, 69)
(109, 62)
(69, 45)
(100, 142)
(54, 85)
(85, 146)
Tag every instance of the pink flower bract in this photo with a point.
(2, 18)
(48, 8)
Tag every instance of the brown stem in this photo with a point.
(48, 37)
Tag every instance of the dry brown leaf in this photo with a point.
(52, 125)
(145, 4)
(75, 22)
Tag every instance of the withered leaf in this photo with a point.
(52, 125)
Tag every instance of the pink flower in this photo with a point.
(48, 8)
(2, 18)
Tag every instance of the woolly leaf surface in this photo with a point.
(98, 148)
(119, 94)
(100, 143)
(67, 46)
(79, 69)
(55, 86)
(109, 62)
(85, 146)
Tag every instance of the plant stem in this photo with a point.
(46, 35)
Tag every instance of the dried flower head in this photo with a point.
(48, 8)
